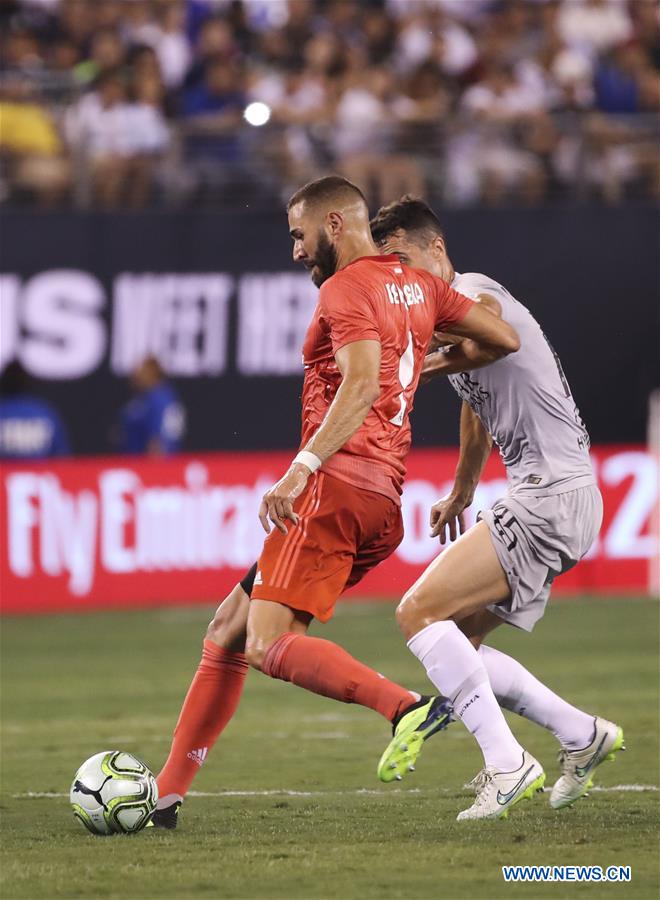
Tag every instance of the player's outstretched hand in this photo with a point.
(277, 502)
(448, 515)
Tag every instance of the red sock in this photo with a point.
(325, 668)
(210, 703)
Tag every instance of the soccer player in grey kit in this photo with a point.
(501, 569)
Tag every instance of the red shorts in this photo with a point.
(342, 533)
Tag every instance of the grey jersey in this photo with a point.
(525, 403)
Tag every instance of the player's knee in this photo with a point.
(409, 613)
(417, 609)
(218, 633)
(228, 627)
(255, 653)
(227, 632)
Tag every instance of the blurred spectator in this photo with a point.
(619, 157)
(300, 105)
(64, 56)
(143, 61)
(594, 25)
(121, 139)
(139, 24)
(172, 46)
(215, 42)
(154, 421)
(645, 16)
(29, 427)
(76, 20)
(397, 92)
(299, 27)
(212, 112)
(618, 79)
(429, 99)
(218, 96)
(501, 96)
(490, 161)
(379, 36)
(31, 152)
(165, 35)
(109, 13)
(364, 135)
(106, 55)
(149, 130)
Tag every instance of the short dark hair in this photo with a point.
(325, 190)
(409, 214)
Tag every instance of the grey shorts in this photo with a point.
(536, 539)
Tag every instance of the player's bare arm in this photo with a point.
(489, 338)
(476, 443)
(359, 364)
(436, 362)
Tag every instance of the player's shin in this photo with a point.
(210, 703)
(325, 668)
(518, 690)
(455, 668)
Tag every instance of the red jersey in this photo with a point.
(375, 298)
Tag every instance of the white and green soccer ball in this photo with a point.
(114, 792)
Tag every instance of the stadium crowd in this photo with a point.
(130, 103)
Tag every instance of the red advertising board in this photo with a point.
(120, 532)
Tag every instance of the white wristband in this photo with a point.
(309, 459)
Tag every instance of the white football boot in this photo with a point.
(577, 766)
(498, 791)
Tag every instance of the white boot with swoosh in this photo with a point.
(578, 766)
(498, 791)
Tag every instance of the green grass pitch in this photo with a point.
(289, 805)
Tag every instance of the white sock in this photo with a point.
(455, 668)
(518, 690)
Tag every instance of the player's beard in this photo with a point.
(325, 260)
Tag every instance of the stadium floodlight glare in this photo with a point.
(256, 113)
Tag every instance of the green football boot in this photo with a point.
(418, 723)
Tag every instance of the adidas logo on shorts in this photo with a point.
(198, 756)
(258, 578)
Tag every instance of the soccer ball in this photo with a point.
(113, 792)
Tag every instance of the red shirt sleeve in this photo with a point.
(451, 307)
(348, 313)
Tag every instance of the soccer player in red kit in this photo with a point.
(337, 511)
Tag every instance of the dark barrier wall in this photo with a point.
(84, 297)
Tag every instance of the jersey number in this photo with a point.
(406, 371)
